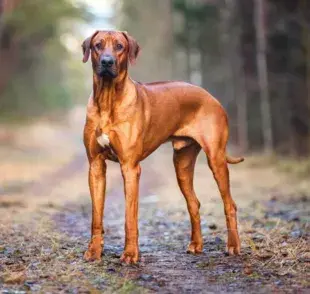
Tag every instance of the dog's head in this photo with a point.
(111, 51)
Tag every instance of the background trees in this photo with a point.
(33, 56)
(254, 55)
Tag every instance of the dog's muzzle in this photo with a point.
(107, 66)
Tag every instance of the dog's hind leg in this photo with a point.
(184, 162)
(214, 145)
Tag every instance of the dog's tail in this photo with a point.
(234, 160)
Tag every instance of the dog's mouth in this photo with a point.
(107, 72)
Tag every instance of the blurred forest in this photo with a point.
(37, 71)
(253, 55)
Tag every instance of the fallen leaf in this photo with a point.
(247, 270)
(264, 256)
(15, 278)
(252, 244)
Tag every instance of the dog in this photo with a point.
(127, 120)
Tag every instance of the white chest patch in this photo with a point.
(103, 140)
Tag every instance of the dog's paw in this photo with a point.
(233, 245)
(94, 250)
(233, 250)
(130, 256)
(194, 247)
(93, 254)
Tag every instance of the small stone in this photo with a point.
(258, 237)
(296, 234)
(293, 218)
(29, 284)
(212, 226)
(111, 270)
(218, 240)
(274, 198)
(146, 277)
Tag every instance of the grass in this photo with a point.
(42, 258)
(277, 251)
(299, 168)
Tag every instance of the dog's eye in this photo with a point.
(119, 46)
(98, 46)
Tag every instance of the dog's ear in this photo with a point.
(134, 48)
(86, 46)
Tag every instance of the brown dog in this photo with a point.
(126, 121)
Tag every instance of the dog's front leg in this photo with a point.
(131, 176)
(97, 185)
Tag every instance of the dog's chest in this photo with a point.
(103, 140)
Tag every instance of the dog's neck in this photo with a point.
(107, 92)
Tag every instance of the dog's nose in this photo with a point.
(107, 61)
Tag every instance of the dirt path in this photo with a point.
(45, 220)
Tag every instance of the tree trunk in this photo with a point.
(235, 81)
(263, 75)
(188, 51)
(306, 43)
(298, 92)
